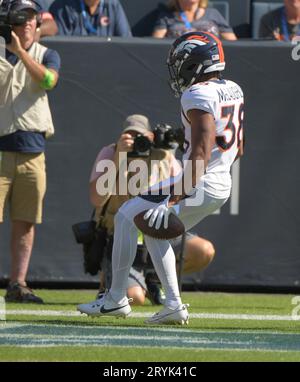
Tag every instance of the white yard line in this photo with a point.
(39, 335)
(9, 325)
(217, 316)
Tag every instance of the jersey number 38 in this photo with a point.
(232, 132)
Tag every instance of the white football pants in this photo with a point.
(161, 252)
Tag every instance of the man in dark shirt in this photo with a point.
(27, 71)
(90, 18)
(283, 23)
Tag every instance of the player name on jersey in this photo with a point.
(230, 94)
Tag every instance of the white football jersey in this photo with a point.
(225, 101)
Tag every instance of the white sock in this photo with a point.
(163, 258)
(123, 254)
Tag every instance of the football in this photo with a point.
(175, 227)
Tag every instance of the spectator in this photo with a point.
(27, 71)
(90, 18)
(47, 25)
(283, 23)
(183, 16)
(142, 280)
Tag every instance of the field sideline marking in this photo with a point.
(26, 335)
(218, 316)
(172, 329)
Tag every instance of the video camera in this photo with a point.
(9, 18)
(165, 137)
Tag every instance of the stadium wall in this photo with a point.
(256, 235)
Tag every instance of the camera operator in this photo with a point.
(9, 16)
(137, 140)
(27, 72)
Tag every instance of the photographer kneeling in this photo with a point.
(139, 142)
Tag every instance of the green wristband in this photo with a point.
(48, 80)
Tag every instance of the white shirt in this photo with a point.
(224, 100)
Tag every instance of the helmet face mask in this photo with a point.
(191, 56)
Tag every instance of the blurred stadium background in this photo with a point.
(256, 234)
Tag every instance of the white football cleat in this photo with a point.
(106, 306)
(179, 315)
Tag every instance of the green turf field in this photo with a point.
(223, 327)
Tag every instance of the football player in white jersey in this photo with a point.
(212, 115)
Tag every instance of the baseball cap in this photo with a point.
(21, 5)
(137, 122)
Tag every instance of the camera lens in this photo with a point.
(168, 137)
(141, 144)
(141, 147)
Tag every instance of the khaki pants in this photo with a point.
(22, 185)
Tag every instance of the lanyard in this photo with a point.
(284, 25)
(285, 31)
(184, 18)
(87, 23)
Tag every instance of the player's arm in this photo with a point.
(240, 153)
(202, 139)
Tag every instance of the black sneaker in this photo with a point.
(154, 290)
(21, 294)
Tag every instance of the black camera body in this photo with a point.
(84, 232)
(94, 240)
(168, 137)
(165, 137)
(9, 18)
(141, 147)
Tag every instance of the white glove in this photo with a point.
(161, 213)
